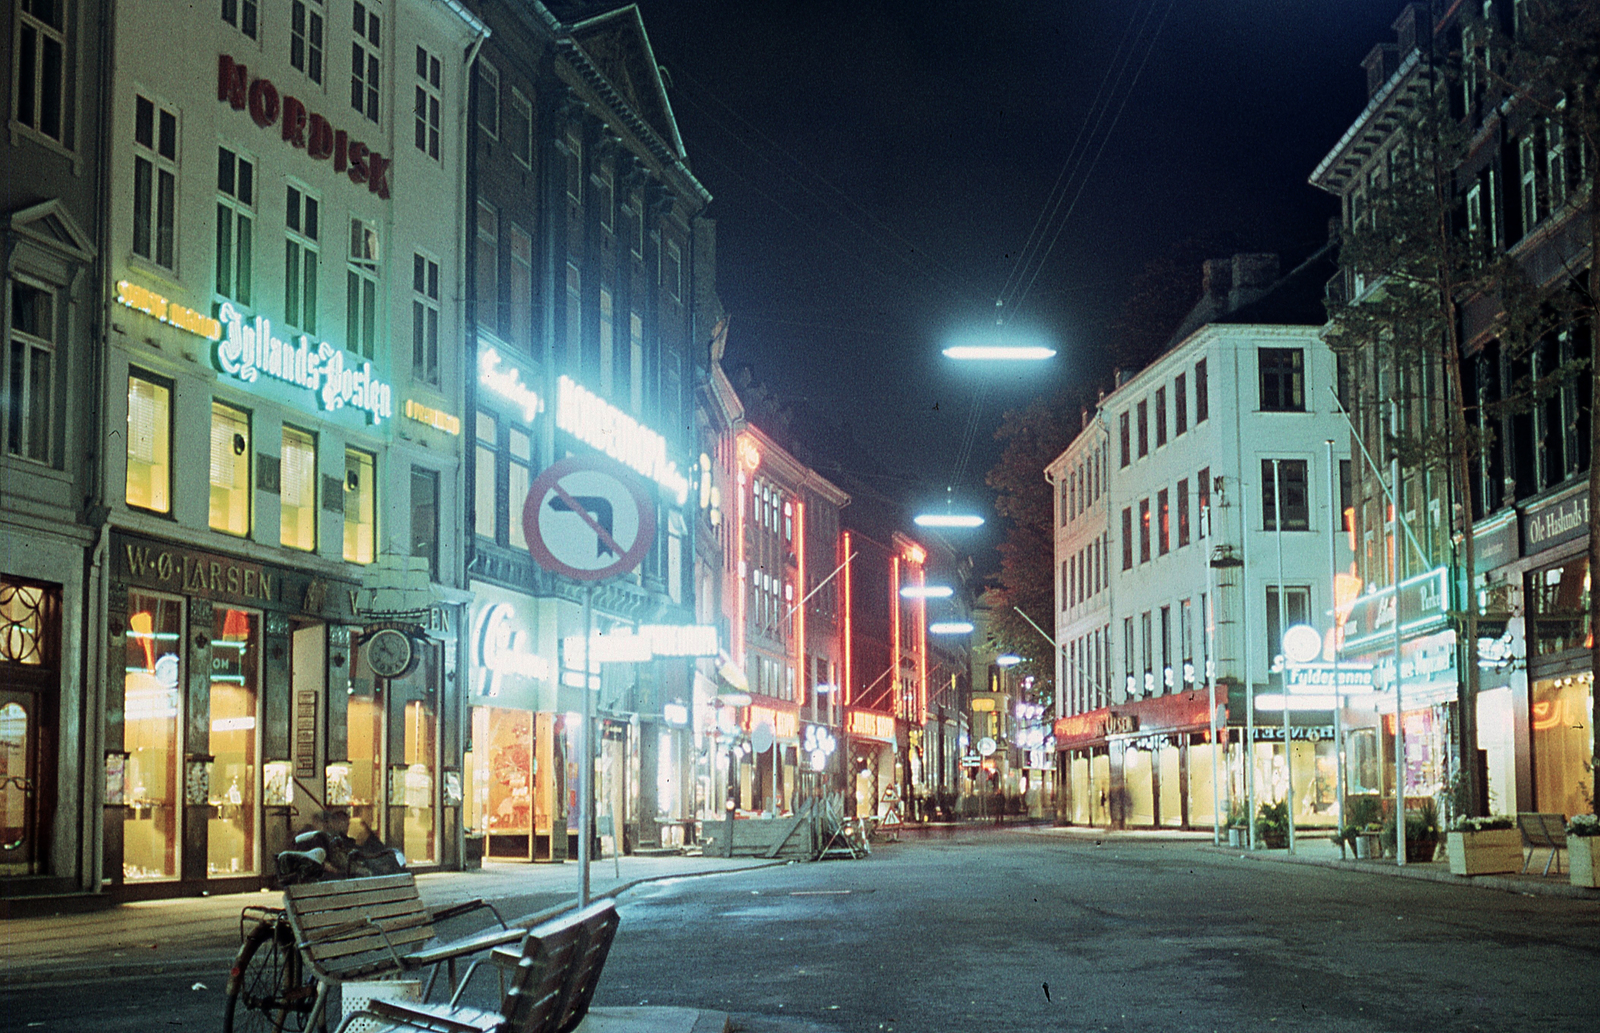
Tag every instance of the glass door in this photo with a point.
(231, 841)
(151, 687)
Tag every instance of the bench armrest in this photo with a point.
(467, 907)
(486, 940)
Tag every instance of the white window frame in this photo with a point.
(488, 113)
(310, 39)
(363, 284)
(43, 34)
(244, 15)
(429, 101)
(237, 213)
(366, 59)
(25, 415)
(425, 318)
(522, 111)
(302, 243)
(161, 190)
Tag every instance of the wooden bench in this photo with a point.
(557, 967)
(1543, 832)
(375, 928)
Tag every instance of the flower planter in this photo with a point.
(1583, 860)
(1236, 836)
(1420, 851)
(1369, 846)
(1485, 852)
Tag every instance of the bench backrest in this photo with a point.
(1543, 830)
(346, 928)
(560, 966)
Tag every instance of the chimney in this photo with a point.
(1216, 277)
(1253, 274)
(1083, 419)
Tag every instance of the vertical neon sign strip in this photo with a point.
(922, 647)
(849, 616)
(894, 618)
(739, 571)
(800, 602)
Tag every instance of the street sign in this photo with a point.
(987, 746)
(588, 519)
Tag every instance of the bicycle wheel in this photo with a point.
(266, 990)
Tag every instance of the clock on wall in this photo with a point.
(389, 653)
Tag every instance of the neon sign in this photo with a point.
(594, 421)
(506, 381)
(500, 650)
(249, 351)
(142, 299)
(438, 419)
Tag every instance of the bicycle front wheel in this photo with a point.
(267, 992)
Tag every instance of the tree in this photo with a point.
(1034, 436)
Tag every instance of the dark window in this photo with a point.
(1347, 511)
(1292, 493)
(1066, 586)
(429, 94)
(1180, 405)
(41, 89)
(1161, 416)
(1202, 399)
(1164, 522)
(1144, 530)
(1166, 647)
(1065, 508)
(1122, 426)
(1183, 513)
(1283, 379)
(366, 52)
(1144, 429)
(155, 182)
(425, 518)
(305, 40)
(241, 14)
(1127, 538)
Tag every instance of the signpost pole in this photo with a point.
(586, 760)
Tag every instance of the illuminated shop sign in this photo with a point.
(594, 421)
(868, 725)
(1422, 604)
(142, 299)
(302, 128)
(438, 419)
(506, 381)
(249, 351)
(645, 643)
(501, 650)
(784, 724)
(1319, 677)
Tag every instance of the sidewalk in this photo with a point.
(1322, 851)
(191, 934)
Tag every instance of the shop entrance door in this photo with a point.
(27, 760)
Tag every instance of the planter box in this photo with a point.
(1583, 860)
(1236, 837)
(1421, 851)
(1483, 853)
(1369, 846)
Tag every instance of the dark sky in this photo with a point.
(877, 168)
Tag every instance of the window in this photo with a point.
(1146, 650)
(1144, 530)
(1166, 647)
(519, 479)
(297, 490)
(426, 109)
(1180, 405)
(1183, 513)
(608, 356)
(572, 148)
(360, 506)
(574, 317)
(1122, 427)
(484, 497)
(1127, 538)
(520, 330)
(1144, 429)
(155, 182)
(235, 225)
(1283, 379)
(1164, 522)
(425, 518)
(1186, 639)
(1128, 660)
(30, 372)
(41, 68)
(300, 260)
(1528, 164)
(672, 271)
(425, 319)
(305, 39)
(241, 14)
(605, 198)
(1202, 487)
(361, 290)
(1066, 584)
(230, 469)
(1202, 399)
(489, 99)
(366, 58)
(636, 202)
(1297, 610)
(1064, 504)
(149, 443)
(1347, 512)
(488, 266)
(1292, 493)
(1161, 416)
(519, 129)
(636, 362)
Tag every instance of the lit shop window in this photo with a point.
(231, 847)
(151, 700)
(360, 505)
(298, 489)
(230, 469)
(518, 482)
(149, 444)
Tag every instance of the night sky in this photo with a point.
(878, 167)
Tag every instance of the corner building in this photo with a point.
(281, 586)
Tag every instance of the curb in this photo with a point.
(1425, 873)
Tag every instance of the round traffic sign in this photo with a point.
(762, 737)
(987, 746)
(588, 518)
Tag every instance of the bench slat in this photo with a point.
(305, 890)
(325, 920)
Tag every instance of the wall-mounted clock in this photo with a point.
(389, 653)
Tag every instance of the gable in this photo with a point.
(616, 44)
(49, 225)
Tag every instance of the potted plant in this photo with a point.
(1238, 824)
(1365, 826)
(1422, 833)
(1583, 850)
(1480, 846)
(1272, 824)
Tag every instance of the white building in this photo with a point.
(282, 394)
(1205, 445)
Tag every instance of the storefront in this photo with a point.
(872, 750)
(767, 768)
(247, 699)
(1145, 763)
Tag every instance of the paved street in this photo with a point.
(964, 932)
